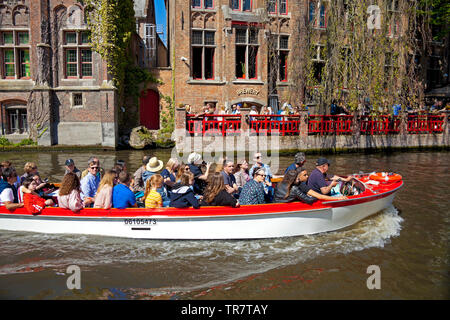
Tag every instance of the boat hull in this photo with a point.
(247, 222)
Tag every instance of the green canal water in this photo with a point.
(408, 241)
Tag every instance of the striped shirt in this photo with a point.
(153, 200)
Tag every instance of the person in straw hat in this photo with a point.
(153, 166)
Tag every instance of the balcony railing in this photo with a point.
(285, 125)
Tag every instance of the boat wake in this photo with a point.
(187, 265)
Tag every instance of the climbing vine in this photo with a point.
(346, 60)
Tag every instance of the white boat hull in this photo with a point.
(204, 226)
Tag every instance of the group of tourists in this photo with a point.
(177, 184)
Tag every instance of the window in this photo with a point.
(246, 53)
(206, 4)
(278, 58)
(17, 121)
(283, 7)
(15, 54)
(77, 99)
(317, 16)
(318, 61)
(203, 48)
(77, 55)
(243, 5)
(272, 6)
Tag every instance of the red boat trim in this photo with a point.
(246, 210)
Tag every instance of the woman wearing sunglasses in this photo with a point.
(253, 191)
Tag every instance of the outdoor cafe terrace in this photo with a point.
(304, 124)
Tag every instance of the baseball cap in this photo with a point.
(322, 161)
(69, 162)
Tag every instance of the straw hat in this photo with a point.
(154, 165)
(194, 157)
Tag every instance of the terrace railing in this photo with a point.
(284, 125)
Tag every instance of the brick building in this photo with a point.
(51, 80)
(220, 50)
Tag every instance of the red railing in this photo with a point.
(327, 124)
(380, 125)
(425, 123)
(214, 124)
(220, 124)
(274, 124)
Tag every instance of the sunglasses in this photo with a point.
(94, 168)
(262, 175)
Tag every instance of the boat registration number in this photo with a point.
(140, 221)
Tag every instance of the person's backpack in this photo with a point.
(33, 203)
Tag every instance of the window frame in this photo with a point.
(16, 47)
(241, 6)
(202, 5)
(78, 46)
(203, 47)
(247, 46)
(317, 15)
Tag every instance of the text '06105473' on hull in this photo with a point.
(246, 222)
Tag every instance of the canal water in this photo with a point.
(409, 242)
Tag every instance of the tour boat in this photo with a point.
(246, 222)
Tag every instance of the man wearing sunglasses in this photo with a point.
(89, 184)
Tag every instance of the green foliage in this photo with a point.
(111, 24)
(26, 142)
(4, 141)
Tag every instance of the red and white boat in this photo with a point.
(247, 222)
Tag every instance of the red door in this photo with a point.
(149, 109)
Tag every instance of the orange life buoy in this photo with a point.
(385, 177)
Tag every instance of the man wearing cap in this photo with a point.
(138, 184)
(70, 167)
(319, 181)
(299, 161)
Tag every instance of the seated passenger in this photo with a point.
(216, 193)
(169, 173)
(89, 184)
(96, 161)
(195, 164)
(253, 191)
(70, 167)
(228, 177)
(241, 174)
(8, 193)
(182, 194)
(69, 193)
(322, 183)
(123, 197)
(152, 198)
(299, 161)
(301, 184)
(103, 198)
(153, 167)
(29, 186)
(138, 185)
